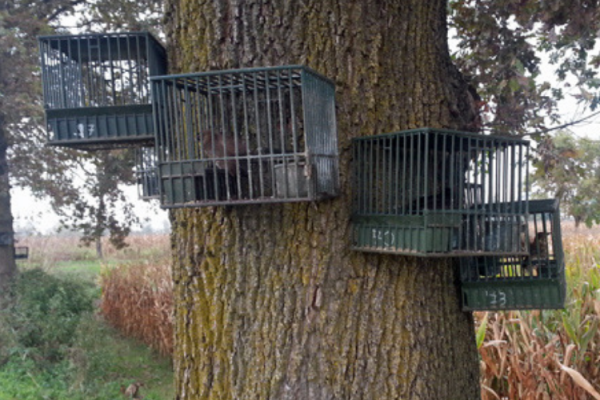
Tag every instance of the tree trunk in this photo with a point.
(99, 253)
(8, 265)
(100, 223)
(271, 303)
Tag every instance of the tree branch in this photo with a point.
(59, 11)
(566, 125)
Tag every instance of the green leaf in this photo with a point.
(588, 335)
(480, 335)
(570, 328)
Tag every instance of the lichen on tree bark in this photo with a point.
(271, 303)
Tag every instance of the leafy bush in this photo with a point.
(44, 311)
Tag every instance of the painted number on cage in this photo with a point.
(496, 297)
(82, 133)
(383, 238)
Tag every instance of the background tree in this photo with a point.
(18, 96)
(271, 303)
(569, 168)
(107, 210)
(499, 48)
(54, 172)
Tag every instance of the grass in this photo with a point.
(94, 361)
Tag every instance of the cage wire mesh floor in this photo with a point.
(258, 135)
(435, 192)
(97, 90)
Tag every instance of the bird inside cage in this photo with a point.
(225, 150)
(538, 253)
(436, 202)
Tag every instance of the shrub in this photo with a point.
(43, 313)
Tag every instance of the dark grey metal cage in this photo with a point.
(246, 136)
(434, 192)
(7, 238)
(21, 252)
(97, 88)
(536, 280)
(147, 173)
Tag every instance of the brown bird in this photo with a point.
(216, 146)
(538, 252)
(132, 391)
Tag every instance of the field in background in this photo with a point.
(102, 362)
(551, 354)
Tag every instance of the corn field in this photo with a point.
(138, 300)
(550, 354)
(541, 355)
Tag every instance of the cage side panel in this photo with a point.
(95, 70)
(321, 131)
(408, 234)
(101, 125)
(546, 294)
(146, 173)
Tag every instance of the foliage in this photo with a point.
(94, 361)
(87, 205)
(569, 168)
(92, 218)
(122, 15)
(44, 312)
(499, 45)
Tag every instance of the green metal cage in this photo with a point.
(147, 173)
(435, 192)
(534, 281)
(260, 135)
(97, 89)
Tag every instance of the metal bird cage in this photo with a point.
(147, 173)
(533, 281)
(21, 252)
(97, 88)
(434, 192)
(262, 135)
(7, 239)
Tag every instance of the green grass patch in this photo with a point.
(54, 346)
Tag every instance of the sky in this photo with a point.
(33, 216)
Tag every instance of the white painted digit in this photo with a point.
(502, 301)
(496, 298)
(384, 238)
(80, 131)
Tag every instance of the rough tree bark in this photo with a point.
(8, 266)
(270, 301)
